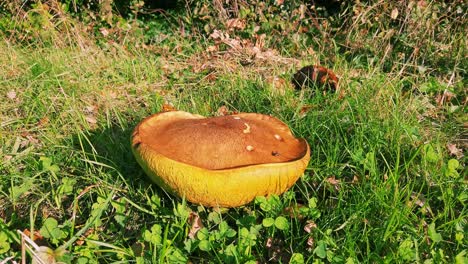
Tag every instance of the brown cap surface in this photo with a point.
(221, 142)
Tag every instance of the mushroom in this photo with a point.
(213, 162)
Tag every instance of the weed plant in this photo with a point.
(386, 182)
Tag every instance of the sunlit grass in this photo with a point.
(380, 185)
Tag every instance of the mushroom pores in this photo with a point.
(221, 161)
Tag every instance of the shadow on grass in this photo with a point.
(110, 149)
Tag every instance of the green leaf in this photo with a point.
(267, 222)
(153, 236)
(203, 234)
(430, 155)
(176, 256)
(435, 237)
(66, 187)
(231, 233)
(204, 245)
(17, 191)
(4, 243)
(460, 258)
(182, 211)
(321, 249)
(281, 223)
(51, 230)
(406, 251)
(297, 258)
(46, 164)
(225, 230)
(313, 202)
(214, 217)
(452, 166)
(369, 162)
(155, 202)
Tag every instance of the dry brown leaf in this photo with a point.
(269, 242)
(7, 158)
(91, 109)
(332, 180)
(335, 182)
(91, 119)
(35, 236)
(418, 199)
(445, 97)
(279, 2)
(211, 77)
(318, 75)
(168, 108)
(394, 13)
(222, 111)
(236, 23)
(104, 32)
(32, 140)
(195, 224)
(11, 95)
(305, 109)
(212, 48)
(454, 151)
(310, 225)
(43, 121)
(310, 243)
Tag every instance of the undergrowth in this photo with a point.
(386, 181)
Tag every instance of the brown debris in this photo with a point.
(312, 75)
(195, 224)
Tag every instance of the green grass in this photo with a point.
(381, 185)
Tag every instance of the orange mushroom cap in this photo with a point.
(221, 161)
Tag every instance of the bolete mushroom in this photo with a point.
(221, 161)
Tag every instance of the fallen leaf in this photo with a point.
(394, 13)
(310, 243)
(91, 109)
(269, 242)
(195, 224)
(7, 158)
(91, 119)
(168, 108)
(212, 49)
(333, 181)
(211, 77)
(236, 23)
(11, 95)
(311, 75)
(418, 199)
(222, 111)
(454, 151)
(445, 97)
(104, 32)
(310, 225)
(43, 121)
(35, 236)
(305, 109)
